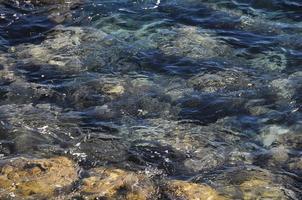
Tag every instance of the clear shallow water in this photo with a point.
(198, 90)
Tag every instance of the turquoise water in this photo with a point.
(207, 91)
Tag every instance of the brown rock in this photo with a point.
(117, 184)
(261, 189)
(176, 189)
(36, 178)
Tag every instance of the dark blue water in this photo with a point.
(208, 91)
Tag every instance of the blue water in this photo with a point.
(208, 91)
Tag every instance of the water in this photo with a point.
(207, 91)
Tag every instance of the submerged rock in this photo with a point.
(279, 154)
(288, 88)
(213, 82)
(41, 2)
(25, 178)
(112, 184)
(193, 43)
(117, 184)
(270, 134)
(295, 165)
(253, 183)
(176, 189)
(205, 159)
(261, 189)
(35, 130)
(103, 150)
(158, 156)
(89, 93)
(270, 61)
(70, 51)
(289, 137)
(114, 90)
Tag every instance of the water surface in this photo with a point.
(207, 91)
